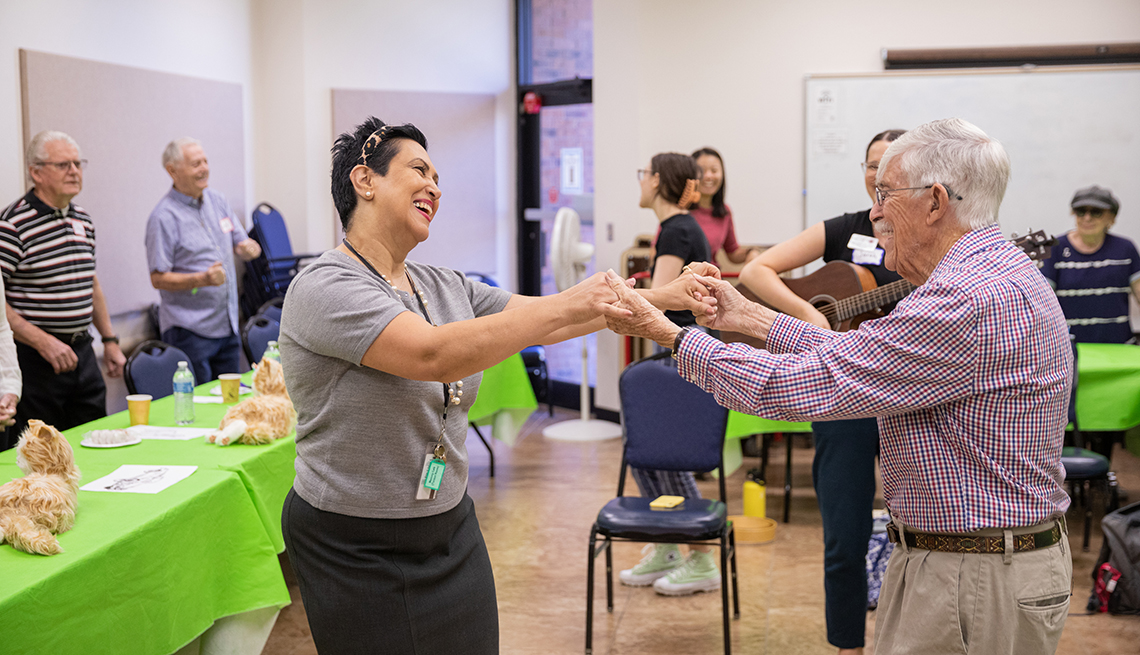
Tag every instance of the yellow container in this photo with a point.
(754, 499)
(753, 529)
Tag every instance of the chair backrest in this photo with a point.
(272, 308)
(270, 226)
(150, 368)
(669, 423)
(256, 335)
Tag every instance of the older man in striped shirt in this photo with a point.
(969, 377)
(52, 295)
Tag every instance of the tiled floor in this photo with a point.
(536, 516)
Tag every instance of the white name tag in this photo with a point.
(869, 257)
(77, 227)
(862, 242)
(227, 225)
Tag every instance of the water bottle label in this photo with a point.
(184, 386)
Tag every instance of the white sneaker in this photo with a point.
(698, 573)
(656, 562)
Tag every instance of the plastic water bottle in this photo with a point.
(183, 394)
(271, 352)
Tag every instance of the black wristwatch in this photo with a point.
(111, 339)
(680, 337)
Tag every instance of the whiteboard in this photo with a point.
(1063, 129)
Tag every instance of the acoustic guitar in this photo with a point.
(846, 294)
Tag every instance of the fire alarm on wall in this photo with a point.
(532, 103)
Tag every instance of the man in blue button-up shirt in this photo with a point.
(189, 239)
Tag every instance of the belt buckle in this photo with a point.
(893, 533)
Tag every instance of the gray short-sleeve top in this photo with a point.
(361, 433)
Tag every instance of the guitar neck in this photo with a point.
(869, 301)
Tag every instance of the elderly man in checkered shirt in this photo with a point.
(969, 377)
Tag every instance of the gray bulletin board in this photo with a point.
(122, 118)
(1063, 129)
(460, 131)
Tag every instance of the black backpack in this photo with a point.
(1116, 575)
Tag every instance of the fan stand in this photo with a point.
(585, 428)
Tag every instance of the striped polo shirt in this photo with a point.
(1093, 289)
(47, 258)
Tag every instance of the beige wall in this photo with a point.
(201, 38)
(302, 49)
(669, 76)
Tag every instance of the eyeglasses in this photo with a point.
(869, 166)
(642, 173)
(1093, 212)
(882, 194)
(64, 166)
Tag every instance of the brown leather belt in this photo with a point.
(964, 543)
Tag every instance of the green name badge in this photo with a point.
(434, 474)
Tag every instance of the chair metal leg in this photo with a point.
(609, 575)
(490, 453)
(590, 592)
(735, 591)
(788, 478)
(1088, 514)
(765, 441)
(724, 595)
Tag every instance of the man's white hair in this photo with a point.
(959, 156)
(173, 152)
(37, 148)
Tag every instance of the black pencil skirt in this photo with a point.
(397, 586)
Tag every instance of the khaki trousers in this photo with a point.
(938, 603)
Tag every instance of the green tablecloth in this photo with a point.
(140, 573)
(505, 399)
(1108, 395)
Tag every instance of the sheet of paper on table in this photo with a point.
(208, 400)
(167, 433)
(140, 479)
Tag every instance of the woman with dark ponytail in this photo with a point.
(669, 187)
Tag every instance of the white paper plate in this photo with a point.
(217, 391)
(85, 444)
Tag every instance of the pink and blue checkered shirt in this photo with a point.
(969, 377)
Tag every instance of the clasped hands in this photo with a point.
(699, 289)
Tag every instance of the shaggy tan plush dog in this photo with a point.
(263, 418)
(40, 505)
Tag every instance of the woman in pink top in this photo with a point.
(714, 217)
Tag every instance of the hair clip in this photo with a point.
(373, 142)
(687, 198)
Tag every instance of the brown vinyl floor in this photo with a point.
(536, 515)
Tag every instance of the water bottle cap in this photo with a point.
(182, 364)
(270, 343)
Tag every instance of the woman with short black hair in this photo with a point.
(382, 358)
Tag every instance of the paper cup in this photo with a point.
(231, 387)
(138, 406)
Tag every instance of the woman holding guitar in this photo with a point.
(843, 471)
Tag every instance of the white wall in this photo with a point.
(305, 48)
(732, 77)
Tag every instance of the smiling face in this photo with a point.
(410, 191)
(900, 224)
(871, 168)
(57, 187)
(712, 174)
(1093, 222)
(191, 175)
